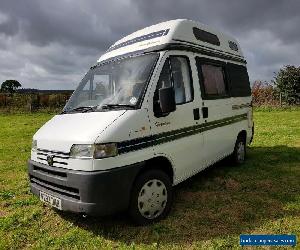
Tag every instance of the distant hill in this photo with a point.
(44, 91)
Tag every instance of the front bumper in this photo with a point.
(94, 193)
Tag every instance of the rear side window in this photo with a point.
(238, 80)
(212, 78)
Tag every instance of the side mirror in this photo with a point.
(167, 100)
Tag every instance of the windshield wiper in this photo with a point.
(108, 106)
(95, 108)
(82, 109)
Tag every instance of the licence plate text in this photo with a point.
(51, 200)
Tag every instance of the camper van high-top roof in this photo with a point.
(178, 34)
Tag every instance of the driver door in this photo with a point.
(173, 133)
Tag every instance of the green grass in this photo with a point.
(210, 210)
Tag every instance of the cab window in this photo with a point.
(176, 73)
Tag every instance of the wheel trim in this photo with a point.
(241, 152)
(152, 199)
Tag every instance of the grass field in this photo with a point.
(210, 210)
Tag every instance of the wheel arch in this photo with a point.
(159, 166)
(160, 163)
(242, 134)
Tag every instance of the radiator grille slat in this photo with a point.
(56, 155)
(63, 190)
(59, 158)
(49, 172)
(53, 152)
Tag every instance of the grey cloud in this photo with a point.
(9, 26)
(94, 24)
(51, 44)
(235, 16)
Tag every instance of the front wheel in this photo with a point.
(151, 197)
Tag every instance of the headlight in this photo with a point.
(82, 151)
(105, 150)
(96, 151)
(34, 145)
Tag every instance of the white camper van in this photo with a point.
(159, 106)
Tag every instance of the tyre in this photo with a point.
(151, 197)
(239, 153)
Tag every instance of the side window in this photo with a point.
(212, 79)
(176, 73)
(165, 76)
(239, 80)
(181, 79)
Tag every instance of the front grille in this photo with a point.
(60, 159)
(63, 190)
(49, 172)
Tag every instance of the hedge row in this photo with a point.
(33, 101)
(263, 94)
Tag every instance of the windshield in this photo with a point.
(117, 84)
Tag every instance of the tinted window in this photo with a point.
(238, 80)
(205, 36)
(213, 80)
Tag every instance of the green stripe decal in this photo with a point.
(148, 141)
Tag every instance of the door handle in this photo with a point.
(196, 114)
(205, 112)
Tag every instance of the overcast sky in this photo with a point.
(51, 44)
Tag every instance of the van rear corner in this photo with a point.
(250, 133)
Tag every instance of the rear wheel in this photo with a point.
(151, 197)
(239, 152)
